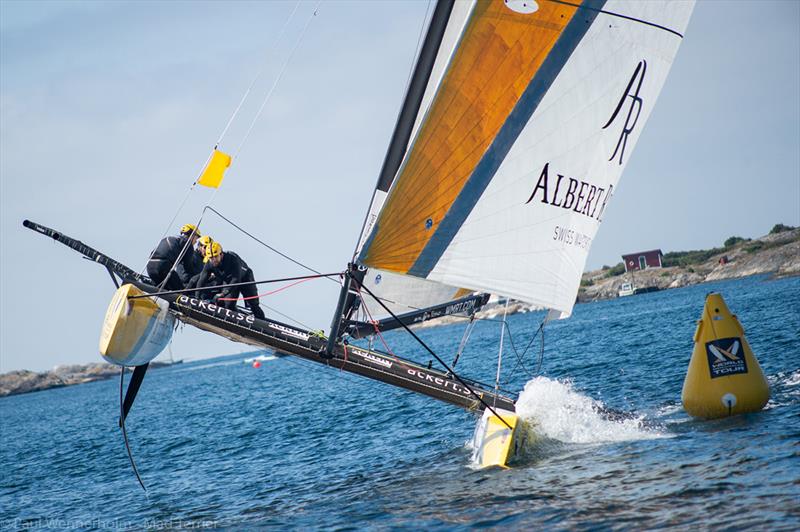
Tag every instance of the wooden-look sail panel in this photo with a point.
(500, 54)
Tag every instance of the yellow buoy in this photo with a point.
(724, 377)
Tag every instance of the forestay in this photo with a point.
(529, 116)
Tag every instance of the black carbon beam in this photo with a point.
(243, 327)
(465, 305)
(125, 273)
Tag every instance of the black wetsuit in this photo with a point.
(165, 255)
(231, 270)
(196, 271)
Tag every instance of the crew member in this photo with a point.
(229, 269)
(167, 253)
(203, 245)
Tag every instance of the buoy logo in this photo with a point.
(725, 357)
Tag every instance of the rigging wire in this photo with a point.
(419, 44)
(464, 339)
(231, 285)
(375, 323)
(249, 130)
(279, 313)
(520, 357)
(399, 361)
(277, 80)
(500, 351)
(287, 257)
(258, 75)
(222, 135)
(442, 362)
(274, 250)
(281, 289)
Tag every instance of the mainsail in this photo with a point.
(399, 292)
(529, 116)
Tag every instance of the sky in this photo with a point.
(108, 111)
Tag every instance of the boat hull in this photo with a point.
(135, 331)
(497, 439)
(283, 338)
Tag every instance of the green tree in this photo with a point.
(618, 269)
(780, 228)
(732, 241)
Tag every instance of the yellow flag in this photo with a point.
(215, 171)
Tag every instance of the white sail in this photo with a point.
(517, 154)
(404, 293)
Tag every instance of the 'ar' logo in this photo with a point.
(633, 111)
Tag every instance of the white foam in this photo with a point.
(793, 379)
(553, 409)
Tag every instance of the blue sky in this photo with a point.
(109, 110)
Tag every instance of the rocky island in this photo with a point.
(777, 253)
(24, 381)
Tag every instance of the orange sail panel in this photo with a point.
(500, 53)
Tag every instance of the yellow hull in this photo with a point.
(135, 331)
(494, 443)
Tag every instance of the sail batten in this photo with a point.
(516, 157)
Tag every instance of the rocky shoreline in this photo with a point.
(777, 254)
(24, 381)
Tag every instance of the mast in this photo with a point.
(398, 144)
(413, 100)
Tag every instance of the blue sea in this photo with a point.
(293, 445)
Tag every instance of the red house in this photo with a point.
(642, 260)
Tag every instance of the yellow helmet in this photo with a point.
(188, 229)
(214, 250)
(205, 241)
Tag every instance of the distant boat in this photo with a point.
(259, 358)
(626, 289)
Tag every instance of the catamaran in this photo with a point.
(518, 121)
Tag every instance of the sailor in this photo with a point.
(229, 269)
(203, 245)
(167, 253)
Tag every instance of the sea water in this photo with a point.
(295, 445)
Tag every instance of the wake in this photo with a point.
(554, 410)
